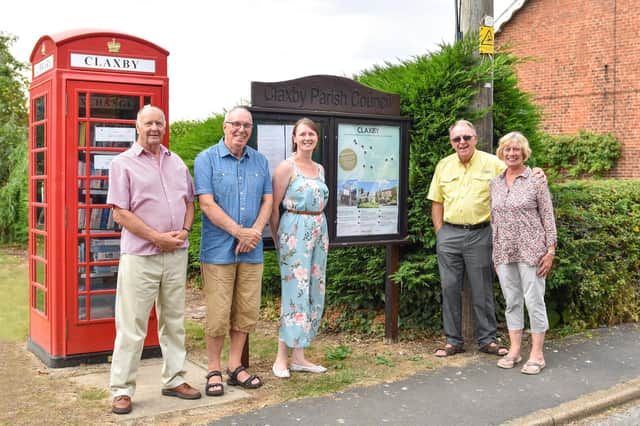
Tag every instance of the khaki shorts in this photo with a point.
(232, 294)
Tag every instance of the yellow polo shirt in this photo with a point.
(464, 191)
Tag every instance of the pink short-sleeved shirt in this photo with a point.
(157, 192)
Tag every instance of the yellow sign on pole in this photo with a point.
(486, 40)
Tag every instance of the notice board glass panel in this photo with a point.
(368, 177)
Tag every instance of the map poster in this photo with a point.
(368, 180)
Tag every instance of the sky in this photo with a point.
(216, 49)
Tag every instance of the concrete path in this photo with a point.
(605, 360)
(148, 401)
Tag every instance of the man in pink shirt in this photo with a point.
(152, 194)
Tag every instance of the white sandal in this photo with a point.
(507, 362)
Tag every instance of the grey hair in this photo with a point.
(147, 107)
(463, 122)
(235, 108)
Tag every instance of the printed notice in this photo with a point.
(368, 180)
(101, 162)
(115, 134)
(274, 142)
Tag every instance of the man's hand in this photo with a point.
(538, 172)
(248, 239)
(170, 241)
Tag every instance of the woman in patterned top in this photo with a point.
(302, 242)
(524, 245)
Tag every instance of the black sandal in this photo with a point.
(214, 389)
(247, 384)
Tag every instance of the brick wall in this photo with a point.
(585, 68)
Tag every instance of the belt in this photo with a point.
(304, 212)
(474, 226)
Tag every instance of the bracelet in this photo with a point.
(551, 251)
(184, 228)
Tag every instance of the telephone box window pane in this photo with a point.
(40, 300)
(82, 164)
(113, 135)
(82, 134)
(82, 278)
(82, 252)
(101, 220)
(147, 100)
(41, 220)
(40, 164)
(40, 191)
(39, 109)
(98, 191)
(105, 249)
(104, 271)
(82, 191)
(82, 104)
(99, 162)
(82, 220)
(40, 249)
(41, 273)
(101, 282)
(103, 277)
(40, 140)
(103, 305)
(122, 107)
(82, 307)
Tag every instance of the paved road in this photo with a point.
(477, 394)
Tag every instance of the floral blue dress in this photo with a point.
(303, 243)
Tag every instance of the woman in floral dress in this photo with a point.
(299, 192)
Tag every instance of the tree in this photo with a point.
(13, 140)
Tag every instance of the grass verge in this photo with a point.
(14, 295)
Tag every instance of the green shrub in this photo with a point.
(187, 139)
(584, 154)
(13, 139)
(596, 277)
(14, 195)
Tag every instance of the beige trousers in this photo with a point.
(143, 280)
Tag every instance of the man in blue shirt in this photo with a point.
(234, 190)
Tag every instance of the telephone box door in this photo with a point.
(101, 122)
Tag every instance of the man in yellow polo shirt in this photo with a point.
(460, 212)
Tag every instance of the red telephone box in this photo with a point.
(86, 90)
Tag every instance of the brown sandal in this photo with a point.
(493, 349)
(449, 350)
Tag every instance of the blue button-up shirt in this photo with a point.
(237, 186)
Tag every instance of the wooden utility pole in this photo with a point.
(473, 14)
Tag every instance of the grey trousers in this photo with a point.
(463, 251)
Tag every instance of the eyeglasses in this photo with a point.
(237, 125)
(466, 138)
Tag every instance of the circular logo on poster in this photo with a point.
(348, 159)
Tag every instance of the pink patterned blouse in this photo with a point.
(522, 219)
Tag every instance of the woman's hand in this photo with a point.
(544, 266)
